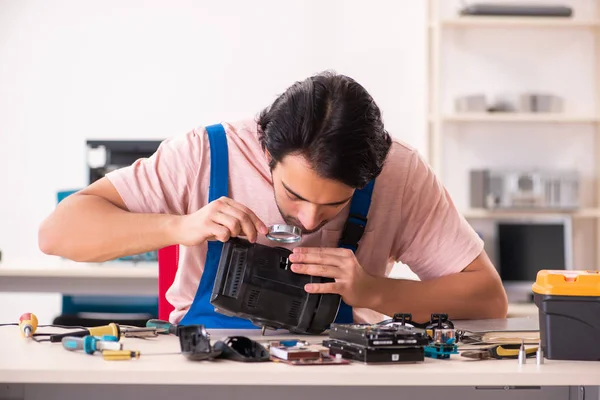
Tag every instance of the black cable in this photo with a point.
(62, 326)
(48, 326)
(45, 337)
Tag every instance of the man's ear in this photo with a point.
(268, 155)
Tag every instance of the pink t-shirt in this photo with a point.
(412, 218)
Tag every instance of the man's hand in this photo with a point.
(476, 292)
(219, 220)
(356, 286)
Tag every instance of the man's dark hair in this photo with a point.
(332, 121)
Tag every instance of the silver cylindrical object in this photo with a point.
(539, 356)
(284, 233)
(522, 354)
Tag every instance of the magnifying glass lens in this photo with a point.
(284, 233)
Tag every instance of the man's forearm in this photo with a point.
(90, 228)
(466, 295)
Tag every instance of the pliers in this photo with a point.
(498, 352)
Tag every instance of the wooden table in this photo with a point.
(30, 370)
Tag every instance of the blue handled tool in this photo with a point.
(163, 327)
(91, 344)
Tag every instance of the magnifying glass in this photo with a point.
(284, 233)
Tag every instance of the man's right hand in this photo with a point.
(220, 220)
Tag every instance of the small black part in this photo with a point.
(241, 348)
(194, 341)
(440, 321)
(402, 318)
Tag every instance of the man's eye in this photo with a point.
(292, 197)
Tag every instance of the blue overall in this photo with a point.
(201, 311)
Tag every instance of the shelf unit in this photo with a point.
(439, 25)
(515, 22)
(522, 117)
(478, 213)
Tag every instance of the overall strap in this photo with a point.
(219, 162)
(353, 231)
(357, 218)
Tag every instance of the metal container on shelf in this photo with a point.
(540, 103)
(525, 189)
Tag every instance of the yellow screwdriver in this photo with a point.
(111, 329)
(113, 355)
(28, 324)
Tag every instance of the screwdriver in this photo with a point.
(91, 344)
(111, 329)
(111, 355)
(28, 323)
(163, 327)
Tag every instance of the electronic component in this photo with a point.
(255, 282)
(194, 342)
(525, 189)
(443, 344)
(370, 355)
(323, 360)
(303, 353)
(379, 335)
(297, 352)
(378, 343)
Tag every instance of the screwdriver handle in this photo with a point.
(111, 329)
(113, 355)
(72, 343)
(91, 344)
(161, 326)
(108, 342)
(28, 323)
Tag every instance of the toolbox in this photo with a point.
(569, 314)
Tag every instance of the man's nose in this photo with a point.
(309, 217)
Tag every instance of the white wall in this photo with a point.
(72, 70)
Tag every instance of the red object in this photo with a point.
(25, 317)
(168, 261)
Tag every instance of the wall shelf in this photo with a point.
(516, 22)
(476, 213)
(521, 117)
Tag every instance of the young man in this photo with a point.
(320, 146)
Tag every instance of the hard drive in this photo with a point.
(371, 355)
(392, 335)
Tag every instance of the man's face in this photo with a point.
(305, 199)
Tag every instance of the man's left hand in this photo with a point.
(352, 282)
